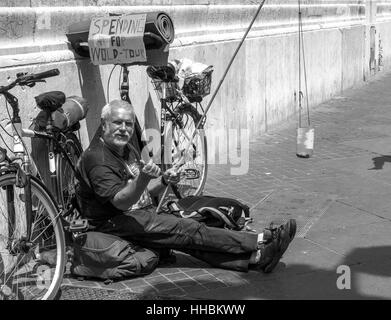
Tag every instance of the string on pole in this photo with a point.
(305, 135)
(302, 54)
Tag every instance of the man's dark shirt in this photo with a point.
(102, 175)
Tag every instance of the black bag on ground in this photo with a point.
(213, 211)
(108, 257)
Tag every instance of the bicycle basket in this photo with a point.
(171, 89)
(198, 86)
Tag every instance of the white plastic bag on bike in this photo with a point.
(186, 68)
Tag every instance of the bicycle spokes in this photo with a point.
(23, 272)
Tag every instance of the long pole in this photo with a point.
(224, 76)
(217, 90)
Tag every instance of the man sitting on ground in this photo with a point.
(116, 192)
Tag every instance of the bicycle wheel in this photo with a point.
(29, 270)
(66, 179)
(194, 170)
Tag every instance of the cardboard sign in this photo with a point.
(118, 39)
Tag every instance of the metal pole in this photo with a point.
(217, 90)
(224, 76)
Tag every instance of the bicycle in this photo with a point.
(178, 120)
(60, 178)
(32, 236)
(180, 114)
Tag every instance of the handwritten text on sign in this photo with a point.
(117, 40)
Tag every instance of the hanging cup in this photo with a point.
(305, 142)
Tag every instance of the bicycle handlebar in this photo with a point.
(45, 74)
(25, 79)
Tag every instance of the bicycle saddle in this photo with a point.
(163, 73)
(50, 101)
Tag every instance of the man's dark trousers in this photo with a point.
(218, 247)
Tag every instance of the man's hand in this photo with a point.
(171, 176)
(151, 169)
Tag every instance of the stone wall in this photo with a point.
(345, 41)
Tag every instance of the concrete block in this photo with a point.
(353, 54)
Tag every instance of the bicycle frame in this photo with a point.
(25, 190)
(167, 116)
(55, 147)
(25, 171)
(124, 93)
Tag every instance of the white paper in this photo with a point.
(117, 39)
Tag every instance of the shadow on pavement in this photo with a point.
(378, 162)
(370, 270)
(369, 278)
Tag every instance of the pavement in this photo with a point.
(340, 197)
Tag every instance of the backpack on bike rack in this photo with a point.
(213, 211)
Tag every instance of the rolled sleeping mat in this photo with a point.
(73, 110)
(158, 24)
(159, 29)
(159, 32)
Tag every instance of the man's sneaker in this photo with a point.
(271, 233)
(275, 246)
(268, 251)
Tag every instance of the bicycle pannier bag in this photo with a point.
(105, 256)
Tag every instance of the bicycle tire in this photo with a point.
(65, 176)
(190, 117)
(35, 273)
